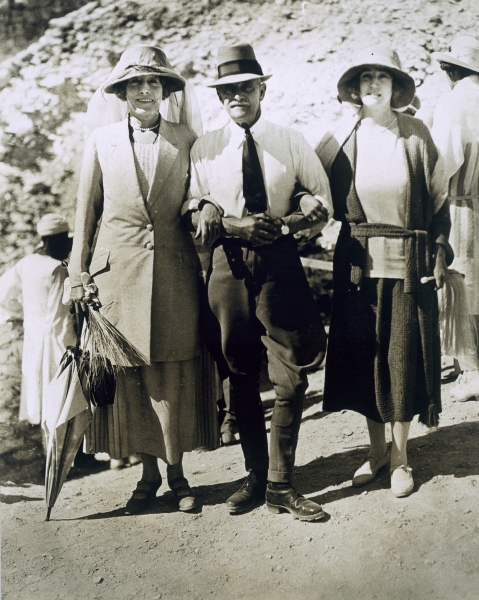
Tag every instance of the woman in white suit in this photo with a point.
(143, 261)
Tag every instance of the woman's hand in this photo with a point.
(440, 268)
(209, 224)
(312, 208)
(87, 292)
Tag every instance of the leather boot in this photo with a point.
(250, 495)
(283, 497)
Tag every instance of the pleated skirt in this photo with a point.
(375, 361)
(163, 410)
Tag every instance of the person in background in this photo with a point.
(455, 131)
(389, 192)
(32, 291)
(243, 177)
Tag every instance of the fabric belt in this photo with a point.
(459, 198)
(416, 251)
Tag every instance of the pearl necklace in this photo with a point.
(144, 128)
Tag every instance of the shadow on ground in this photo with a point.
(449, 450)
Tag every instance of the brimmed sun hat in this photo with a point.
(237, 63)
(463, 52)
(52, 224)
(379, 57)
(140, 60)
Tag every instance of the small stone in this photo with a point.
(268, 556)
(98, 580)
(347, 432)
(308, 538)
(466, 512)
(279, 568)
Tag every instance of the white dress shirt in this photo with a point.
(285, 157)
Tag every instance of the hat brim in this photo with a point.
(177, 81)
(238, 78)
(401, 100)
(448, 58)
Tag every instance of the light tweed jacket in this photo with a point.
(143, 259)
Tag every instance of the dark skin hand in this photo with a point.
(440, 268)
(257, 229)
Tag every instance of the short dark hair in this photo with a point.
(460, 72)
(119, 89)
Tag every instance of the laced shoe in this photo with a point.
(290, 500)
(250, 495)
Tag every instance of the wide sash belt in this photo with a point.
(459, 198)
(416, 251)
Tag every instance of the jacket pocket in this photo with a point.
(100, 263)
(190, 258)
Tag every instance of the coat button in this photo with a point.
(149, 245)
(149, 227)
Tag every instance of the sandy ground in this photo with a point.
(370, 545)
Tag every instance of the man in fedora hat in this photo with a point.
(243, 179)
(456, 134)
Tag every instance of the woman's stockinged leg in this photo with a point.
(377, 437)
(402, 482)
(175, 471)
(150, 467)
(400, 434)
(377, 457)
(180, 486)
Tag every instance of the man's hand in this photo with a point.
(209, 224)
(257, 229)
(440, 269)
(312, 208)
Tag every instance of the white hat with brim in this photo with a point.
(52, 224)
(379, 57)
(236, 64)
(141, 60)
(463, 52)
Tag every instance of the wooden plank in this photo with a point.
(315, 263)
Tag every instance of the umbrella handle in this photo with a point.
(79, 318)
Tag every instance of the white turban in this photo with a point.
(52, 224)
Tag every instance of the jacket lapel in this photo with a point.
(124, 162)
(167, 154)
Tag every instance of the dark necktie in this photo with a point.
(254, 190)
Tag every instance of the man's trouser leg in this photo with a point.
(296, 342)
(237, 335)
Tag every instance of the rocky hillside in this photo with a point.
(306, 45)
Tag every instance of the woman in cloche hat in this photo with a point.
(383, 356)
(145, 266)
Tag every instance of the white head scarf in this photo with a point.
(181, 106)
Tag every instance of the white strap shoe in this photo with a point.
(402, 482)
(369, 469)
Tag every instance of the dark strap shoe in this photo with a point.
(143, 496)
(250, 495)
(280, 500)
(183, 493)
